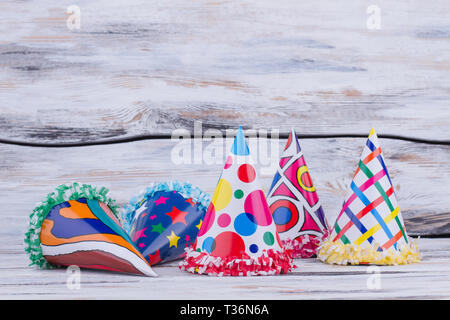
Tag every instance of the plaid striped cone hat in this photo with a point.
(370, 228)
(238, 236)
(294, 203)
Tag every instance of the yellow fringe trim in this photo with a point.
(339, 253)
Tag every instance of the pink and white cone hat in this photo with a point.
(238, 236)
(294, 203)
(370, 228)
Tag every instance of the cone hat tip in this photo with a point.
(293, 135)
(240, 146)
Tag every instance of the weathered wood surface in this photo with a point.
(429, 279)
(147, 67)
(420, 175)
(27, 174)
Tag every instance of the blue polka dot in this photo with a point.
(209, 244)
(253, 248)
(244, 224)
(282, 215)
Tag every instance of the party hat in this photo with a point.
(165, 219)
(238, 236)
(294, 203)
(370, 228)
(78, 225)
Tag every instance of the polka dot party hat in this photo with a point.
(369, 228)
(294, 203)
(238, 236)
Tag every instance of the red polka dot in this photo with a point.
(229, 162)
(228, 243)
(208, 220)
(256, 205)
(246, 173)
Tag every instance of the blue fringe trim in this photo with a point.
(186, 189)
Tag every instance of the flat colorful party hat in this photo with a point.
(294, 204)
(370, 228)
(77, 225)
(165, 219)
(238, 236)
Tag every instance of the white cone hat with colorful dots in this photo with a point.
(238, 236)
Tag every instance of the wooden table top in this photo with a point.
(98, 104)
(312, 279)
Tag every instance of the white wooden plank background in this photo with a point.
(29, 173)
(148, 67)
(419, 174)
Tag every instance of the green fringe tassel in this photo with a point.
(62, 194)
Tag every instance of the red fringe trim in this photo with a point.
(304, 246)
(269, 263)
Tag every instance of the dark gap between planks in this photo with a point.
(167, 136)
